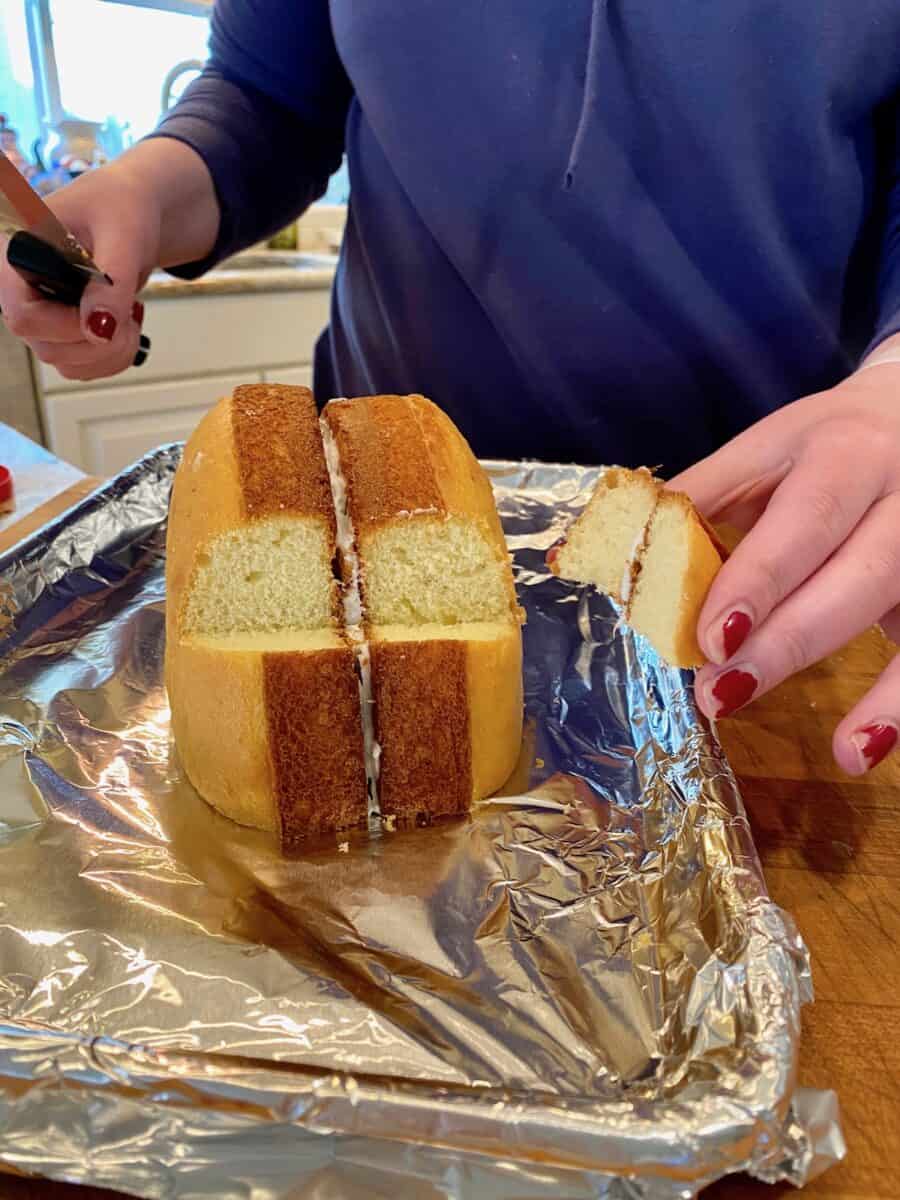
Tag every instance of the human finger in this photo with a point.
(810, 514)
(842, 599)
(869, 732)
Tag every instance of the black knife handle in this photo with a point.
(46, 269)
(58, 279)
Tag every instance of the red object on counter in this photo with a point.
(7, 502)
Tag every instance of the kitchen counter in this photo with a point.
(830, 847)
(44, 485)
(250, 271)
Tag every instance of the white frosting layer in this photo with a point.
(351, 595)
(346, 539)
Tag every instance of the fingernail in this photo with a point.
(874, 742)
(137, 312)
(102, 324)
(733, 689)
(734, 631)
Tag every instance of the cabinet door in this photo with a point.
(296, 376)
(106, 429)
(193, 335)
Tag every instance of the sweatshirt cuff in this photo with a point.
(213, 148)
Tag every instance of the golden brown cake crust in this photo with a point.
(220, 730)
(384, 457)
(706, 562)
(422, 723)
(276, 429)
(315, 742)
(721, 549)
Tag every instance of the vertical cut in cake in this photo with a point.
(441, 619)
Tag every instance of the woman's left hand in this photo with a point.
(817, 485)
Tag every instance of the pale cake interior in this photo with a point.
(426, 570)
(609, 534)
(465, 631)
(279, 641)
(664, 569)
(268, 576)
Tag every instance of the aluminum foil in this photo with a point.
(580, 990)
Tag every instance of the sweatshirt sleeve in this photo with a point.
(887, 318)
(267, 117)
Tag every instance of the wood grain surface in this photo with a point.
(830, 846)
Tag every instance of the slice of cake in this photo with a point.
(652, 552)
(603, 546)
(676, 571)
(439, 608)
(261, 678)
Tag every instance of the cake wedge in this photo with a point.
(441, 621)
(261, 677)
(651, 551)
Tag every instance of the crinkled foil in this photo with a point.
(581, 990)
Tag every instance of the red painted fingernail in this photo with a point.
(733, 689)
(874, 742)
(553, 555)
(6, 489)
(137, 312)
(102, 324)
(734, 632)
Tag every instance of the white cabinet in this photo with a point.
(105, 429)
(204, 345)
(296, 376)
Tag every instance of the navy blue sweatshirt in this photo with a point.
(617, 231)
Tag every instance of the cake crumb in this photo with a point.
(390, 822)
(538, 762)
(344, 848)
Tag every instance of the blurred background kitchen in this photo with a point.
(81, 81)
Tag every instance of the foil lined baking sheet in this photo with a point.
(582, 989)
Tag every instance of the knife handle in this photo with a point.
(49, 272)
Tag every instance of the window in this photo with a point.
(16, 80)
(112, 59)
(104, 64)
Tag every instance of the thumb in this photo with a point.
(109, 313)
(734, 484)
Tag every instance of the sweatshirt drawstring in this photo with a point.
(589, 91)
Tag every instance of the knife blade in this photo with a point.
(42, 250)
(22, 208)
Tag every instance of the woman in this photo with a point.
(623, 230)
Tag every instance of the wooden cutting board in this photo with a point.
(830, 847)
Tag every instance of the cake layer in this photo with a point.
(271, 737)
(448, 714)
(426, 528)
(251, 521)
(282, 641)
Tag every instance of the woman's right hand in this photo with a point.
(117, 218)
(154, 206)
